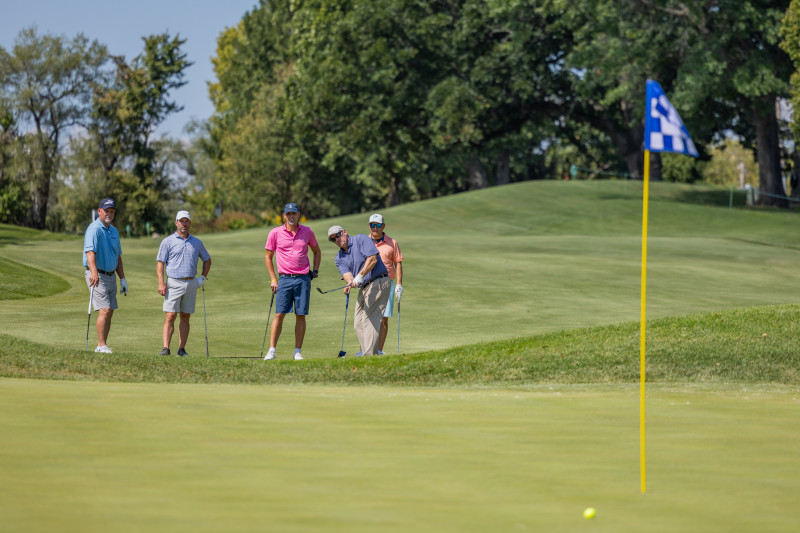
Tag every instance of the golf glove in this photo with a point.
(358, 280)
(398, 292)
(313, 274)
(200, 280)
(123, 286)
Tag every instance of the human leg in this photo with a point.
(277, 326)
(383, 332)
(168, 329)
(299, 331)
(103, 325)
(183, 330)
(385, 320)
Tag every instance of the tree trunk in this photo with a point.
(655, 166)
(476, 175)
(768, 150)
(503, 168)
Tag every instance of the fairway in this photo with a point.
(513, 406)
(512, 261)
(100, 457)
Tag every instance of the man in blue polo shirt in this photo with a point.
(177, 258)
(360, 264)
(102, 258)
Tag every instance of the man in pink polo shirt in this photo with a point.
(292, 286)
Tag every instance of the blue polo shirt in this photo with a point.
(104, 242)
(180, 255)
(359, 248)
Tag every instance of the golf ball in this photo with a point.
(589, 513)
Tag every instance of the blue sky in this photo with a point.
(121, 25)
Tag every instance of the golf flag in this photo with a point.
(663, 132)
(663, 128)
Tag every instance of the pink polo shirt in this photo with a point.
(291, 249)
(390, 254)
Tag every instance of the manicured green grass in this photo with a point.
(101, 457)
(508, 262)
(514, 406)
(750, 346)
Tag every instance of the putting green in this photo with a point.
(135, 457)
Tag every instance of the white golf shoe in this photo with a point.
(103, 349)
(270, 355)
(359, 354)
(380, 352)
(298, 356)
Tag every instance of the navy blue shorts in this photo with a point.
(293, 292)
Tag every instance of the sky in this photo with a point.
(120, 25)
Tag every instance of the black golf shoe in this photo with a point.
(182, 352)
(165, 351)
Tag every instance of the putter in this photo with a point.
(269, 314)
(326, 292)
(344, 326)
(205, 324)
(89, 319)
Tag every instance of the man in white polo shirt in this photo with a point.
(177, 259)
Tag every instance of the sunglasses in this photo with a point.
(334, 238)
(374, 225)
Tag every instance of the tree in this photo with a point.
(128, 106)
(46, 79)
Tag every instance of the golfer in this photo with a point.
(292, 286)
(392, 259)
(176, 267)
(360, 265)
(102, 258)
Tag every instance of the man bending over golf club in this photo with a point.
(102, 257)
(292, 286)
(177, 259)
(360, 264)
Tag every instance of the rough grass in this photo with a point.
(749, 346)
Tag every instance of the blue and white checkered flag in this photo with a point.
(663, 128)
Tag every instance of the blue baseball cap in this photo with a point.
(290, 208)
(106, 203)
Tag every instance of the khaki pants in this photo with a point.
(370, 306)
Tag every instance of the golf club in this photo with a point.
(205, 324)
(326, 292)
(89, 318)
(344, 326)
(269, 314)
(398, 326)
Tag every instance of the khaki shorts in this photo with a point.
(104, 294)
(181, 295)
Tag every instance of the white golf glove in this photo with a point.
(200, 280)
(358, 280)
(123, 286)
(398, 292)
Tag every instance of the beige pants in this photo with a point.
(370, 306)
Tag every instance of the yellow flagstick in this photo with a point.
(642, 357)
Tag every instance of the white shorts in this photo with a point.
(181, 295)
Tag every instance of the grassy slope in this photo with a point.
(504, 263)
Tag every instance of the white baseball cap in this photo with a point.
(183, 214)
(376, 218)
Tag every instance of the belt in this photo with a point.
(111, 273)
(373, 279)
(185, 279)
(293, 275)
